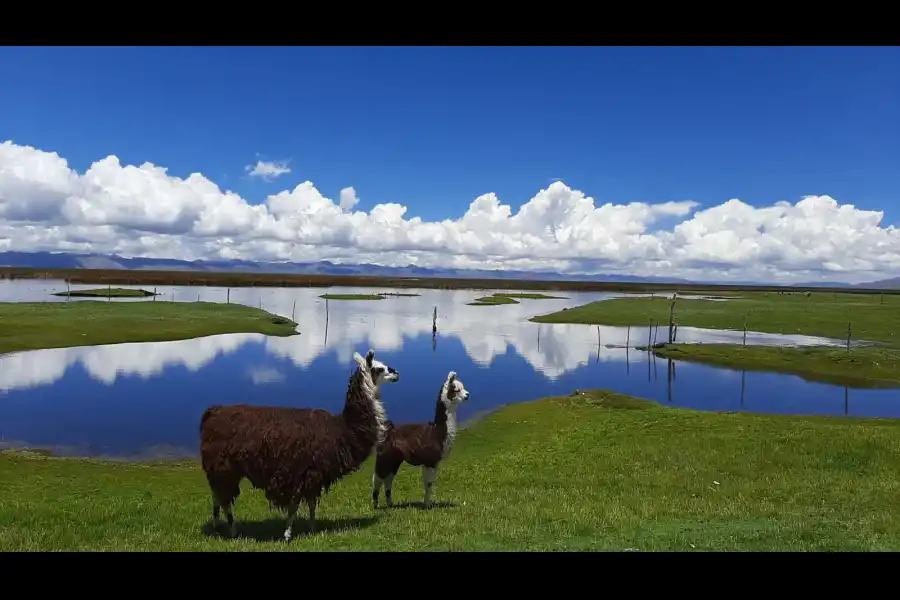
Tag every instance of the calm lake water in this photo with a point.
(145, 400)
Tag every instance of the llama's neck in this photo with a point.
(445, 426)
(363, 413)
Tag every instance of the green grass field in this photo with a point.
(107, 292)
(597, 471)
(352, 297)
(37, 325)
(871, 317)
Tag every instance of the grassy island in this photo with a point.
(869, 317)
(510, 298)
(37, 325)
(352, 297)
(107, 292)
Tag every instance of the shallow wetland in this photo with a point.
(144, 399)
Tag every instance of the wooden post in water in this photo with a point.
(669, 376)
(745, 331)
(228, 296)
(154, 294)
(198, 296)
(109, 292)
(849, 333)
(675, 333)
(743, 375)
(293, 306)
(434, 321)
(68, 291)
(598, 340)
(671, 318)
(650, 333)
(627, 336)
(539, 337)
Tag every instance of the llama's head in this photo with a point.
(453, 393)
(380, 372)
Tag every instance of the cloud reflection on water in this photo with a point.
(484, 332)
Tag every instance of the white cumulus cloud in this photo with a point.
(268, 170)
(141, 210)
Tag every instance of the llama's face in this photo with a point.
(381, 373)
(455, 393)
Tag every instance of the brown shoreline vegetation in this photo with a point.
(232, 279)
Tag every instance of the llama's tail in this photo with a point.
(207, 414)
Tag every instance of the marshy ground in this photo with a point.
(873, 318)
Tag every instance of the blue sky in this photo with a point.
(433, 128)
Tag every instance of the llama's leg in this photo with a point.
(429, 476)
(311, 502)
(225, 491)
(376, 488)
(232, 524)
(216, 511)
(388, 482)
(291, 515)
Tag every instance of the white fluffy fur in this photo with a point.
(384, 375)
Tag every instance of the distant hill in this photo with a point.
(71, 260)
(67, 260)
(884, 284)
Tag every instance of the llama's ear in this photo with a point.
(451, 376)
(370, 356)
(358, 358)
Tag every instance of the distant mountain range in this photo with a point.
(68, 260)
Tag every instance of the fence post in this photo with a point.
(671, 318)
(849, 333)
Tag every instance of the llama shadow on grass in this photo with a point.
(272, 529)
(417, 504)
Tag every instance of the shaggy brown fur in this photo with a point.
(419, 444)
(293, 454)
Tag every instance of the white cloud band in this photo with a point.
(144, 211)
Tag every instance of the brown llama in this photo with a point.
(419, 444)
(293, 454)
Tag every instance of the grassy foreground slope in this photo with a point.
(37, 325)
(595, 471)
(872, 317)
